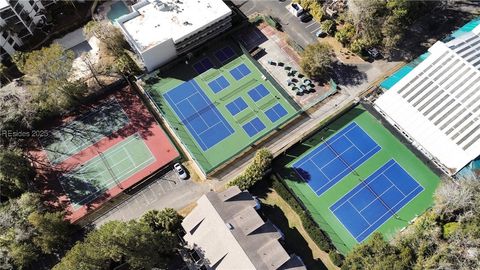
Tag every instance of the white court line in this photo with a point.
(323, 145)
(360, 214)
(388, 178)
(395, 211)
(379, 225)
(107, 184)
(376, 198)
(366, 183)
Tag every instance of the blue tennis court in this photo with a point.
(253, 127)
(334, 159)
(373, 201)
(236, 106)
(259, 92)
(276, 112)
(203, 65)
(198, 114)
(224, 54)
(218, 84)
(240, 71)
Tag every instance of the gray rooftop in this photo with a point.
(230, 234)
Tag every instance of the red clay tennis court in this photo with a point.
(92, 156)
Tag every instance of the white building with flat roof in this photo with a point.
(159, 30)
(437, 105)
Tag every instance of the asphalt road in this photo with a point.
(302, 33)
(167, 190)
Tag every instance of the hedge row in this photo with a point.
(336, 257)
(317, 235)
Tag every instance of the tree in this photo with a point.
(329, 27)
(4, 73)
(51, 231)
(316, 60)
(47, 77)
(375, 254)
(166, 220)
(108, 34)
(15, 173)
(16, 110)
(113, 47)
(367, 17)
(345, 34)
(133, 242)
(29, 232)
(255, 171)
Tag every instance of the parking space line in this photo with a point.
(312, 23)
(315, 30)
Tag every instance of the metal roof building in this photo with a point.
(437, 105)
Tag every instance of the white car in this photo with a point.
(180, 171)
(295, 9)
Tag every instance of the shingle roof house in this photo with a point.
(226, 232)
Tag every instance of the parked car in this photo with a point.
(374, 53)
(320, 33)
(305, 17)
(295, 9)
(180, 171)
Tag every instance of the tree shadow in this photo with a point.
(293, 241)
(347, 74)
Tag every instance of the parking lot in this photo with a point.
(165, 191)
(302, 33)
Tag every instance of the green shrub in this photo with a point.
(255, 171)
(345, 34)
(272, 22)
(317, 235)
(314, 7)
(336, 257)
(449, 229)
(329, 27)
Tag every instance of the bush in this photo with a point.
(450, 228)
(255, 171)
(336, 257)
(329, 27)
(345, 34)
(317, 235)
(272, 22)
(314, 7)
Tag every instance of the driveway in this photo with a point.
(165, 191)
(302, 33)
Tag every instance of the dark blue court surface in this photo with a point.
(372, 202)
(253, 127)
(203, 65)
(276, 112)
(258, 92)
(236, 106)
(332, 160)
(218, 84)
(198, 114)
(224, 54)
(240, 71)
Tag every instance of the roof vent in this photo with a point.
(229, 226)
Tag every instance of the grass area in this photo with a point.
(289, 222)
(297, 240)
(159, 83)
(318, 206)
